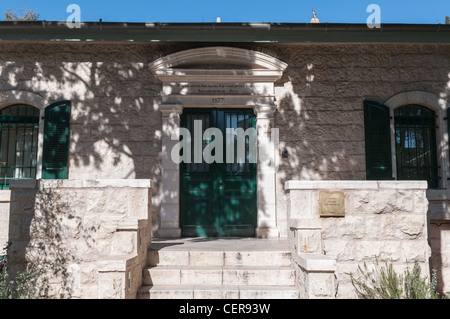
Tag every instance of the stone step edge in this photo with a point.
(212, 267)
(217, 258)
(146, 288)
(219, 276)
(170, 251)
(285, 250)
(218, 292)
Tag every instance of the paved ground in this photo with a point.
(225, 244)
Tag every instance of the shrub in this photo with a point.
(382, 282)
(26, 284)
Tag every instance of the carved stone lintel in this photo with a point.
(168, 110)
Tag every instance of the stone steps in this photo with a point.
(214, 275)
(217, 292)
(218, 258)
(218, 272)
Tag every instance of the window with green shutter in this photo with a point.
(56, 141)
(378, 141)
(448, 123)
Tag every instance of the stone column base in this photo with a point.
(315, 276)
(169, 233)
(267, 232)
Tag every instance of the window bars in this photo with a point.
(19, 127)
(415, 140)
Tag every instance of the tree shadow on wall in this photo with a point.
(40, 223)
(116, 126)
(115, 129)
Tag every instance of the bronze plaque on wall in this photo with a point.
(331, 203)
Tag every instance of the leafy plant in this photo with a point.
(382, 282)
(21, 15)
(26, 284)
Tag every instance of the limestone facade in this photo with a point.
(117, 126)
(384, 221)
(88, 238)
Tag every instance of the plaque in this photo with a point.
(331, 203)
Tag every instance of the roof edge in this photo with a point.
(58, 31)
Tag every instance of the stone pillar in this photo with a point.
(267, 217)
(315, 272)
(304, 223)
(170, 177)
(315, 277)
(5, 198)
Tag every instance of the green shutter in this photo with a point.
(56, 141)
(378, 141)
(448, 124)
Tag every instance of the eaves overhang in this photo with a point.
(54, 31)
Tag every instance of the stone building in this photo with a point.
(352, 142)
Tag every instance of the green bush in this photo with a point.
(382, 282)
(24, 286)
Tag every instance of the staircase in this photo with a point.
(219, 269)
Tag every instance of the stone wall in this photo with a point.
(320, 114)
(116, 123)
(439, 236)
(89, 237)
(440, 257)
(384, 221)
(4, 218)
(116, 120)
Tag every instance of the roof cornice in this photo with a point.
(54, 31)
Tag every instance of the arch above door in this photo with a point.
(221, 76)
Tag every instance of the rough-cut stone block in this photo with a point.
(111, 286)
(415, 251)
(342, 250)
(351, 227)
(309, 241)
(124, 243)
(321, 285)
(381, 250)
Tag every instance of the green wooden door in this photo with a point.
(219, 198)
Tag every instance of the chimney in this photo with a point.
(314, 19)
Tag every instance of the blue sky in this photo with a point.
(296, 11)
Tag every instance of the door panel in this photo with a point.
(198, 214)
(219, 199)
